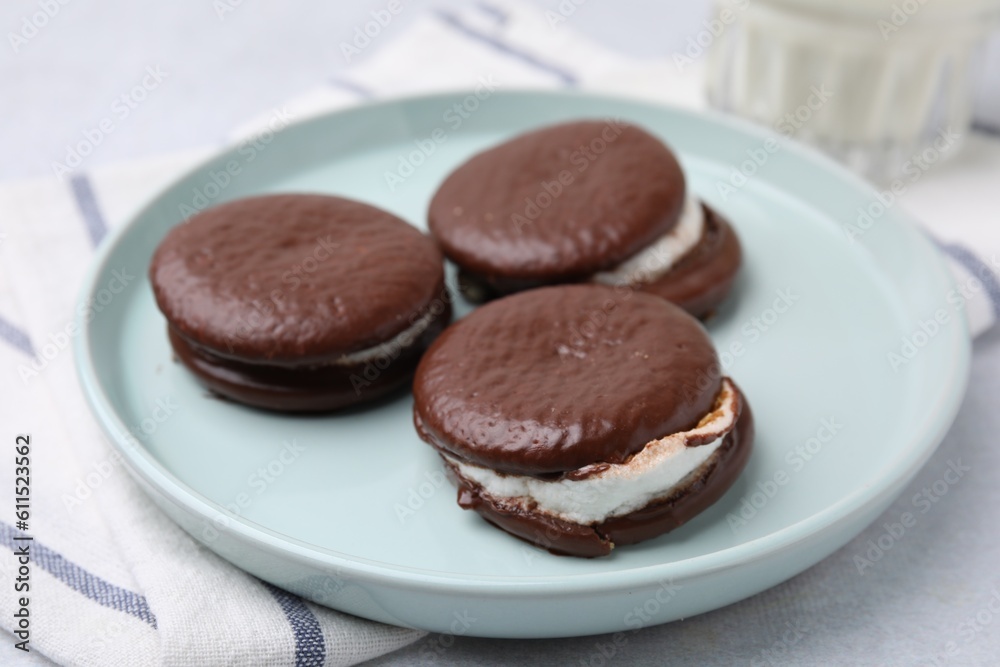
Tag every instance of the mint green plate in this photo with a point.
(350, 510)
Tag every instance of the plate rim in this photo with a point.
(140, 462)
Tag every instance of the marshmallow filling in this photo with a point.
(391, 347)
(601, 491)
(652, 262)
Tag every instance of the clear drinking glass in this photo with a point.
(878, 84)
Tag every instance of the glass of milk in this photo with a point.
(878, 84)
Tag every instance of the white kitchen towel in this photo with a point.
(113, 581)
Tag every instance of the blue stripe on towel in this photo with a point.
(86, 201)
(77, 578)
(453, 21)
(16, 338)
(310, 649)
(979, 269)
(498, 14)
(986, 128)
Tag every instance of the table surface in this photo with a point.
(220, 72)
(932, 600)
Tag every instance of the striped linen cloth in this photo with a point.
(114, 582)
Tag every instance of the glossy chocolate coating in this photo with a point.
(558, 204)
(294, 278)
(310, 388)
(551, 380)
(702, 278)
(695, 495)
(691, 497)
(698, 282)
(265, 296)
(553, 534)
